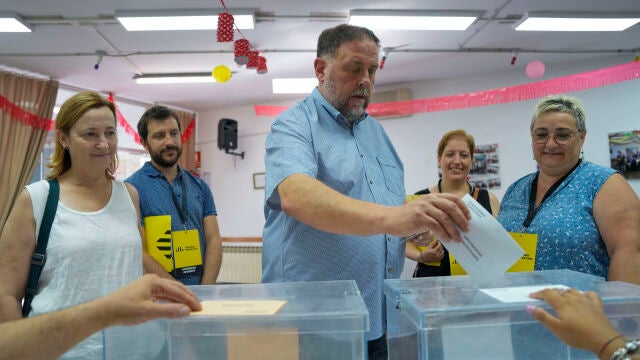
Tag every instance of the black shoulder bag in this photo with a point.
(38, 257)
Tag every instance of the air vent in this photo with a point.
(510, 19)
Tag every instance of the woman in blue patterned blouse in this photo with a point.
(586, 217)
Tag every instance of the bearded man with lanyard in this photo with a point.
(166, 189)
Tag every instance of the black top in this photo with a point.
(424, 270)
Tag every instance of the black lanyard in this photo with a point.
(533, 210)
(182, 211)
(440, 187)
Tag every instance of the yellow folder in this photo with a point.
(157, 231)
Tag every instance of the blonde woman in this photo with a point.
(95, 246)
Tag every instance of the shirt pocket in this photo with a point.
(393, 176)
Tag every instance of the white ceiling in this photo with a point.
(68, 33)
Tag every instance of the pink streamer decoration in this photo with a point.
(566, 84)
(24, 116)
(269, 110)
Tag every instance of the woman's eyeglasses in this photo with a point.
(561, 137)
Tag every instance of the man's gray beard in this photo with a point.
(351, 114)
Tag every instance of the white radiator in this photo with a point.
(241, 263)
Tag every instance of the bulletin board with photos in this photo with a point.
(624, 151)
(485, 169)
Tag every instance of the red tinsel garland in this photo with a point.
(539, 89)
(188, 131)
(38, 122)
(24, 116)
(124, 123)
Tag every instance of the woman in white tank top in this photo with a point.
(95, 244)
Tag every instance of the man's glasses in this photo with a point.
(561, 137)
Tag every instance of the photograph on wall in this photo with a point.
(485, 170)
(624, 150)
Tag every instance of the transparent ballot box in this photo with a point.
(449, 317)
(286, 321)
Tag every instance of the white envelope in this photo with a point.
(487, 250)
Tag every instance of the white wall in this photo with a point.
(230, 178)
(609, 109)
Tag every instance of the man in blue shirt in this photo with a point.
(334, 195)
(166, 189)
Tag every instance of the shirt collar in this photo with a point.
(149, 170)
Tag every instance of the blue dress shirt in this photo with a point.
(314, 139)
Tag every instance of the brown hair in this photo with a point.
(331, 39)
(453, 133)
(159, 113)
(70, 112)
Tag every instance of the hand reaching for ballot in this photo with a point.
(580, 321)
(439, 214)
(148, 298)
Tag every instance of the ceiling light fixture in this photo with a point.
(11, 22)
(175, 78)
(294, 85)
(181, 20)
(413, 19)
(547, 21)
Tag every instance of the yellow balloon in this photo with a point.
(221, 73)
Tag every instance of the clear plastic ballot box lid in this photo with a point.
(449, 317)
(318, 320)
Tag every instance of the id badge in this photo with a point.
(186, 252)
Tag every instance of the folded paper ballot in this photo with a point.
(240, 307)
(486, 250)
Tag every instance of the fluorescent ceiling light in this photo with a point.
(545, 21)
(294, 86)
(10, 22)
(413, 20)
(180, 78)
(181, 20)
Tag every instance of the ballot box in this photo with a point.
(285, 321)
(451, 318)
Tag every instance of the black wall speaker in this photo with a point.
(227, 134)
